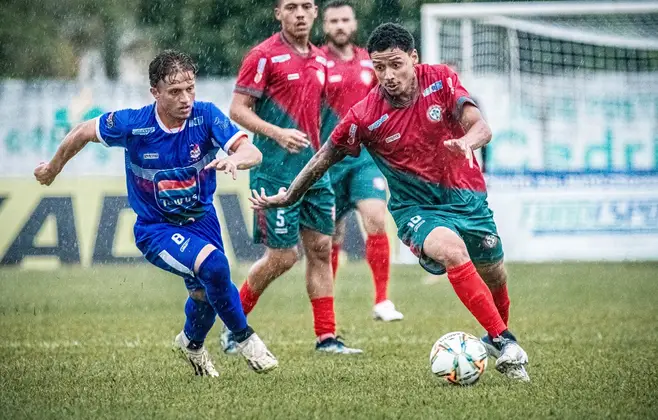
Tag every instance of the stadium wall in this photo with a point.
(83, 218)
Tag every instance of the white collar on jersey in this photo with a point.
(163, 127)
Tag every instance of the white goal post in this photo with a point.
(566, 86)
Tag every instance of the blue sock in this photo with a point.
(221, 293)
(200, 319)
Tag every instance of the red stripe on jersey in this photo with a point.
(176, 185)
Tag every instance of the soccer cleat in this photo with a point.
(257, 355)
(385, 311)
(336, 346)
(227, 342)
(492, 351)
(199, 359)
(512, 359)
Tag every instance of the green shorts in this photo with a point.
(477, 229)
(279, 228)
(355, 183)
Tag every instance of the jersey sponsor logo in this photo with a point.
(281, 58)
(352, 138)
(321, 76)
(177, 190)
(335, 78)
(293, 76)
(221, 123)
(378, 123)
(331, 64)
(151, 156)
(143, 131)
(109, 122)
(196, 121)
(452, 88)
(366, 77)
(195, 151)
(260, 69)
(391, 139)
(321, 60)
(434, 113)
(367, 63)
(434, 87)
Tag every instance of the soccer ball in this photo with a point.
(459, 358)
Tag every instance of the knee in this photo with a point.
(319, 250)
(446, 247)
(283, 258)
(199, 295)
(494, 275)
(215, 269)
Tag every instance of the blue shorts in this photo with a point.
(174, 248)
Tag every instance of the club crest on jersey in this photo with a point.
(489, 241)
(434, 113)
(366, 77)
(195, 151)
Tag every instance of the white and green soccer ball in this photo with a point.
(458, 358)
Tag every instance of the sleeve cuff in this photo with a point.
(256, 93)
(233, 139)
(459, 106)
(98, 132)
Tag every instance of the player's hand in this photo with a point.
(226, 165)
(260, 201)
(45, 173)
(292, 140)
(459, 146)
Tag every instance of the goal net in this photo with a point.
(565, 86)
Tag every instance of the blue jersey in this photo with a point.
(165, 171)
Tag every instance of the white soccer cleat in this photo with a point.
(257, 355)
(199, 359)
(512, 361)
(385, 311)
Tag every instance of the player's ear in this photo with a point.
(315, 12)
(414, 56)
(154, 92)
(277, 12)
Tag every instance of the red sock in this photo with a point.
(335, 253)
(248, 298)
(475, 295)
(378, 256)
(501, 299)
(324, 318)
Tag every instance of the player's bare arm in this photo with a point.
(477, 134)
(74, 141)
(242, 112)
(327, 156)
(242, 155)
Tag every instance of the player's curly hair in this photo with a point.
(168, 63)
(390, 35)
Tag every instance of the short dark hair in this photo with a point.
(168, 63)
(390, 35)
(335, 4)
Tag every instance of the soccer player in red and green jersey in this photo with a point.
(421, 128)
(278, 95)
(357, 182)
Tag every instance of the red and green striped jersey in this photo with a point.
(407, 143)
(347, 83)
(288, 87)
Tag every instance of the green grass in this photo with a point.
(95, 344)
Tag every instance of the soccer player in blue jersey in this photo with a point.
(170, 153)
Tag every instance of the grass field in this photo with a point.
(96, 344)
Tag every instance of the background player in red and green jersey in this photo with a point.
(356, 181)
(278, 96)
(421, 128)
